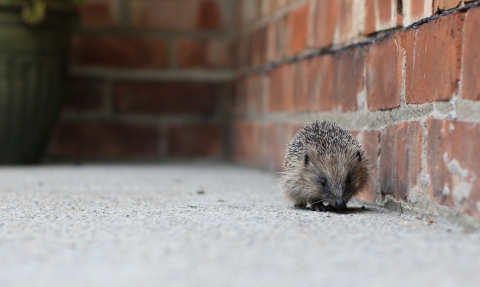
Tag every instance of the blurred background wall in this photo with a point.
(148, 80)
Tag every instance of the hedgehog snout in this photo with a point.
(340, 204)
(339, 197)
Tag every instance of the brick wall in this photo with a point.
(154, 79)
(148, 80)
(403, 75)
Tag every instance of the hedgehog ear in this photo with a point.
(306, 160)
(359, 156)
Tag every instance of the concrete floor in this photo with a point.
(208, 225)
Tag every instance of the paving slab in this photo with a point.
(209, 224)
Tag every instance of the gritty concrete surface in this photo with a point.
(208, 225)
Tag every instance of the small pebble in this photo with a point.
(430, 221)
(193, 206)
(200, 192)
(220, 200)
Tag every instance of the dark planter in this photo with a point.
(32, 79)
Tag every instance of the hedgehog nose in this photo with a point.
(340, 204)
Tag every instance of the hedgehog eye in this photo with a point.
(359, 156)
(307, 160)
(323, 181)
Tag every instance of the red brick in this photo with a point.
(453, 164)
(380, 15)
(228, 91)
(281, 89)
(263, 146)
(105, 140)
(212, 14)
(384, 73)
(256, 143)
(386, 13)
(297, 29)
(192, 53)
(433, 55)
(349, 78)
(238, 15)
(254, 94)
(248, 97)
(245, 142)
(119, 52)
(441, 5)
(276, 5)
(240, 97)
(260, 144)
(276, 39)
(270, 145)
(193, 140)
(99, 13)
(281, 39)
(250, 10)
(401, 159)
(275, 89)
(179, 15)
(276, 137)
(220, 53)
(345, 25)
(415, 10)
(244, 51)
(320, 83)
(370, 16)
(471, 56)
(301, 85)
(279, 136)
(278, 143)
(203, 53)
(371, 143)
(163, 98)
(288, 93)
(84, 94)
(259, 47)
(271, 41)
(264, 7)
(323, 23)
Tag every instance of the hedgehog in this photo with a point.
(325, 167)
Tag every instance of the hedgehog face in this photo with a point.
(335, 178)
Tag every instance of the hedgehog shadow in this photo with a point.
(352, 210)
(349, 210)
